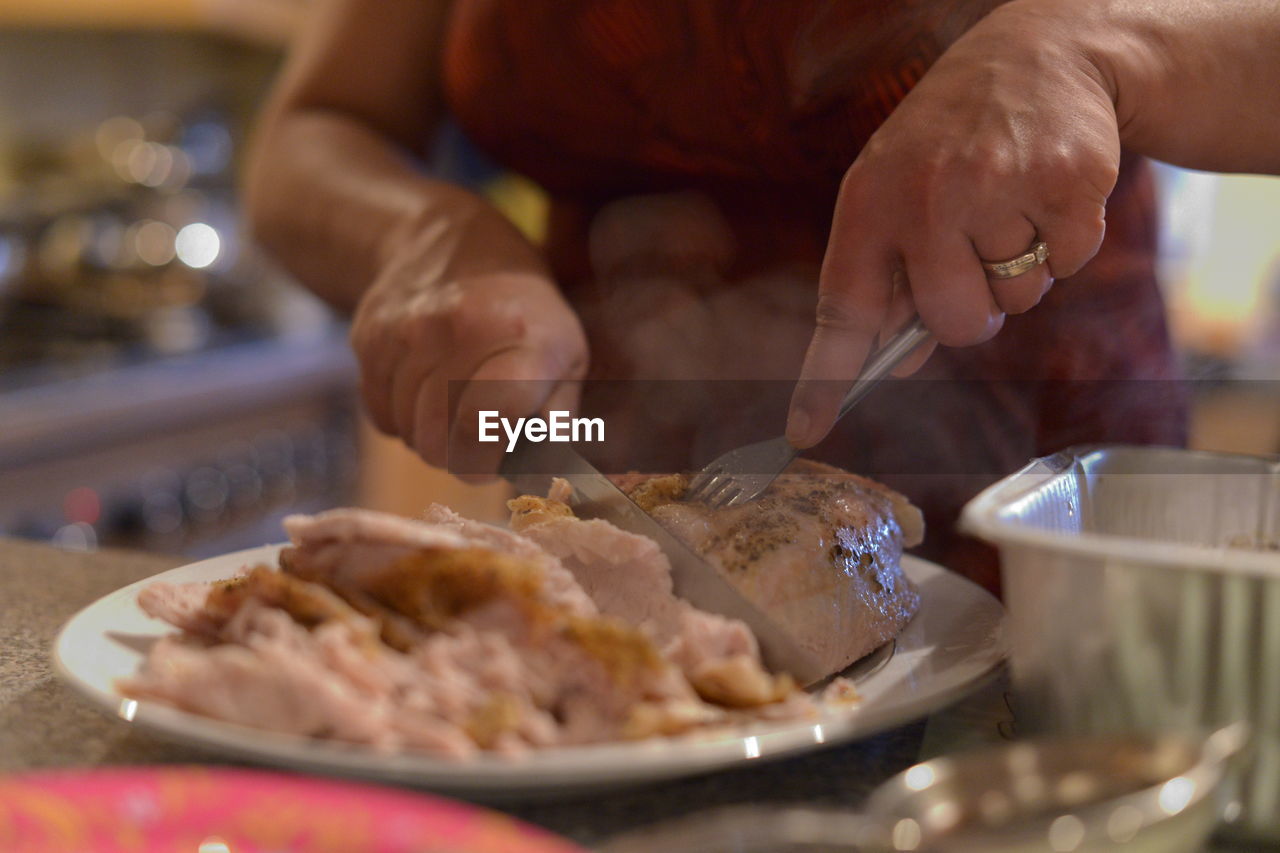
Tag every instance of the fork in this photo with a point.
(741, 474)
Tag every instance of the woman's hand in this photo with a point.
(1010, 138)
(508, 338)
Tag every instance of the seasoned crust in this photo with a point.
(820, 551)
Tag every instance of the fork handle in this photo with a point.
(883, 361)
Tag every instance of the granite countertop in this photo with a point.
(44, 724)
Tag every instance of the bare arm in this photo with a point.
(333, 189)
(443, 289)
(1194, 82)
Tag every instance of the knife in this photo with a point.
(693, 578)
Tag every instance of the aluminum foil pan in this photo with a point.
(1143, 594)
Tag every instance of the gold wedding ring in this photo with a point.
(1014, 267)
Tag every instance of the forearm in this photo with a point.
(332, 199)
(1194, 81)
(334, 191)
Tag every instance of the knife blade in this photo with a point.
(693, 578)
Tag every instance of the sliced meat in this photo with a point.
(309, 604)
(340, 546)
(560, 584)
(181, 605)
(628, 576)
(820, 551)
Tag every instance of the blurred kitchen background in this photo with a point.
(163, 386)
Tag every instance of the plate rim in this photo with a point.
(561, 768)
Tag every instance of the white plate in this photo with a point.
(953, 642)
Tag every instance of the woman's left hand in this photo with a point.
(1011, 138)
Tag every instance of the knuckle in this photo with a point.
(476, 318)
(1075, 245)
(856, 192)
(933, 193)
(1083, 172)
(841, 314)
(994, 162)
(1072, 171)
(1061, 161)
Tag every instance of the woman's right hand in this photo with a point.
(433, 355)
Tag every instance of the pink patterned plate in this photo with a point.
(214, 810)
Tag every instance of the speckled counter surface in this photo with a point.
(43, 723)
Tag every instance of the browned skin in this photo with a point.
(531, 509)
(396, 630)
(434, 587)
(500, 714)
(737, 682)
(309, 604)
(820, 551)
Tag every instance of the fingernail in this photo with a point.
(798, 427)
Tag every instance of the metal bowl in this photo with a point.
(1075, 795)
(1160, 793)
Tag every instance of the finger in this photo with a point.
(377, 366)
(564, 397)
(1006, 240)
(1022, 293)
(436, 400)
(901, 307)
(376, 401)
(438, 404)
(512, 383)
(1073, 234)
(902, 310)
(430, 438)
(854, 291)
(916, 359)
(833, 359)
(439, 401)
(951, 293)
(404, 387)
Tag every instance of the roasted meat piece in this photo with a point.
(820, 551)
